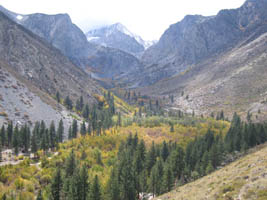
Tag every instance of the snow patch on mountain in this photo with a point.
(106, 31)
(90, 39)
(19, 17)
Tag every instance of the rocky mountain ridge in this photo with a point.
(197, 38)
(59, 31)
(32, 71)
(119, 37)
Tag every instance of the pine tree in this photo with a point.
(221, 115)
(26, 138)
(159, 171)
(126, 177)
(143, 181)
(176, 160)
(172, 128)
(85, 112)
(74, 192)
(58, 96)
(60, 131)
(95, 192)
(52, 135)
(140, 112)
(68, 103)
(3, 136)
(84, 184)
(151, 158)
(81, 102)
(83, 128)
(56, 185)
(168, 179)
(164, 151)
(89, 129)
(44, 143)
(0, 153)
(77, 105)
(15, 140)
(70, 133)
(42, 129)
(214, 155)
(113, 191)
(70, 164)
(33, 143)
(74, 128)
(153, 180)
(209, 168)
(9, 133)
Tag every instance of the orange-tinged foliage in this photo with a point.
(29, 178)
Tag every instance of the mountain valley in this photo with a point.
(105, 115)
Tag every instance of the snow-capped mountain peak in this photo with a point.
(118, 36)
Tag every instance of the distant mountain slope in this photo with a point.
(244, 179)
(234, 80)
(40, 66)
(119, 37)
(59, 31)
(123, 63)
(197, 38)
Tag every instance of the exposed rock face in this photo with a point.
(31, 72)
(113, 63)
(42, 64)
(59, 31)
(21, 105)
(119, 37)
(196, 38)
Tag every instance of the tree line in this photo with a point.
(71, 182)
(99, 114)
(159, 168)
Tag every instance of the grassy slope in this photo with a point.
(245, 178)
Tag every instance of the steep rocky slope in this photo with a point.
(197, 38)
(36, 71)
(232, 78)
(41, 63)
(230, 81)
(22, 103)
(245, 178)
(59, 31)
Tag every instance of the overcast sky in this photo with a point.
(147, 18)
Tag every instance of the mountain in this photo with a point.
(197, 38)
(32, 71)
(59, 31)
(217, 62)
(242, 179)
(119, 37)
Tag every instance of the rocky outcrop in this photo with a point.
(197, 38)
(42, 64)
(31, 72)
